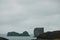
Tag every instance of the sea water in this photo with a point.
(18, 37)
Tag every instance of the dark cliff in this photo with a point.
(49, 35)
(1, 38)
(38, 31)
(25, 33)
(13, 34)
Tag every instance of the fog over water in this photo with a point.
(25, 15)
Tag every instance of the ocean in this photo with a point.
(17, 37)
(20, 38)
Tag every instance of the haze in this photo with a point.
(25, 15)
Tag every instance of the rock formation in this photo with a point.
(38, 31)
(49, 35)
(1, 38)
(25, 33)
(13, 34)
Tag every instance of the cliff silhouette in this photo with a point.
(25, 33)
(1, 38)
(50, 35)
(38, 31)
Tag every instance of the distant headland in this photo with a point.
(25, 33)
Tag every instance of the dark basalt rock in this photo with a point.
(1, 38)
(13, 34)
(49, 35)
(38, 31)
(25, 33)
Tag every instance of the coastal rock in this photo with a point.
(1, 38)
(13, 34)
(49, 35)
(25, 33)
(38, 31)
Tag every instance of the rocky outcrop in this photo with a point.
(25, 33)
(49, 35)
(1, 38)
(13, 34)
(38, 31)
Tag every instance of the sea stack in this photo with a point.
(13, 34)
(38, 31)
(25, 33)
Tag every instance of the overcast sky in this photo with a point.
(25, 15)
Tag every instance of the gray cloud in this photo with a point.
(20, 15)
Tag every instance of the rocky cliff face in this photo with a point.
(13, 34)
(38, 31)
(1, 38)
(25, 33)
(49, 35)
